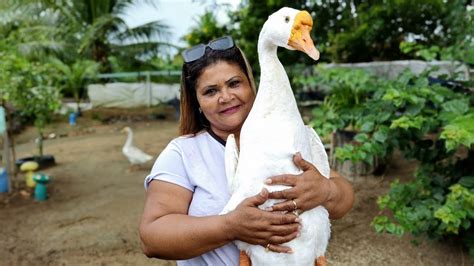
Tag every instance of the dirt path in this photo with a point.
(95, 204)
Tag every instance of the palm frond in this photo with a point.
(69, 15)
(38, 31)
(121, 6)
(38, 49)
(155, 30)
(60, 65)
(99, 30)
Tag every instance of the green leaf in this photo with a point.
(380, 135)
(367, 126)
(407, 122)
(361, 137)
(458, 106)
(459, 132)
(467, 181)
(379, 228)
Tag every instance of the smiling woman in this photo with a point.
(220, 72)
(225, 97)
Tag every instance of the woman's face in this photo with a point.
(225, 97)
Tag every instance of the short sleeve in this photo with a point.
(170, 167)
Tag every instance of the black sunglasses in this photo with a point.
(198, 51)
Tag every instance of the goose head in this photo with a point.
(290, 28)
(125, 130)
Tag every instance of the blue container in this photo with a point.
(72, 119)
(3, 180)
(41, 191)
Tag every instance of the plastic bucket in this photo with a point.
(3, 180)
(72, 119)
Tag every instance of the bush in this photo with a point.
(427, 122)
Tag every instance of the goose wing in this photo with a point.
(318, 153)
(135, 155)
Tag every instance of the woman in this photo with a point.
(187, 187)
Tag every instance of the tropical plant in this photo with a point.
(75, 77)
(105, 32)
(95, 29)
(206, 29)
(34, 36)
(427, 122)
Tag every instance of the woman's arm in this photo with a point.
(310, 189)
(167, 231)
(341, 196)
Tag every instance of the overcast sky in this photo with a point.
(179, 15)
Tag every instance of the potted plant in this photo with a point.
(343, 118)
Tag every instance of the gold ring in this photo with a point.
(267, 247)
(294, 203)
(296, 212)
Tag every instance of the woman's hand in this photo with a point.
(311, 189)
(269, 229)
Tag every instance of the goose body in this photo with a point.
(272, 133)
(134, 155)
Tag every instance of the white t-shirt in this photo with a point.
(197, 164)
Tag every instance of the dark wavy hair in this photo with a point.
(191, 120)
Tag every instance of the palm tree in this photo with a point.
(32, 29)
(105, 31)
(75, 77)
(94, 29)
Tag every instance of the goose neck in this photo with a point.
(272, 74)
(129, 138)
(267, 53)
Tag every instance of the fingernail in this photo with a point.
(263, 192)
(297, 220)
(268, 181)
(290, 251)
(298, 234)
(269, 209)
(300, 227)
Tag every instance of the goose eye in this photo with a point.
(287, 19)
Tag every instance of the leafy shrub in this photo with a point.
(31, 87)
(427, 122)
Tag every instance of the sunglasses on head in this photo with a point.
(198, 51)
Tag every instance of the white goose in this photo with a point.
(272, 133)
(134, 155)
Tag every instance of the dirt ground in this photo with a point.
(95, 203)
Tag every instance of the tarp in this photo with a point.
(130, 95)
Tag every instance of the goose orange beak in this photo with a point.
(300, 38)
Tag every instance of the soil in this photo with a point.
(96, 199)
